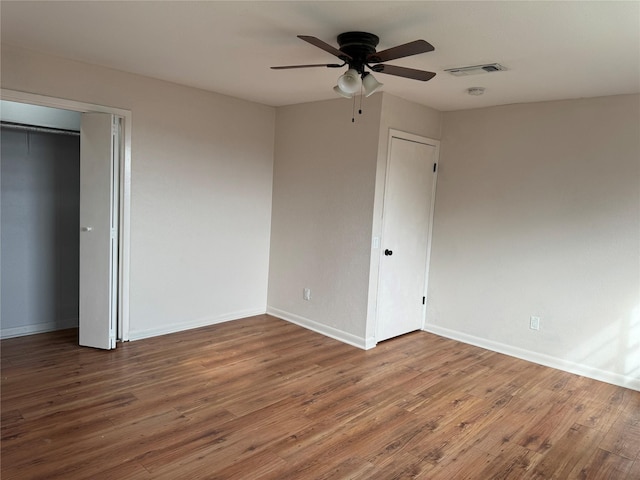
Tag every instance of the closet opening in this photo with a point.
(48, 256)
(40, 208)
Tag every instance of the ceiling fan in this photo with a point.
(358, 50)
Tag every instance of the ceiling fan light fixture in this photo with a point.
(370, 84)
(341, 92)
(350, 81)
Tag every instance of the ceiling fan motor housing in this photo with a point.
(358, 46)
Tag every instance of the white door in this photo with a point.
(99, 155)
(407, 216)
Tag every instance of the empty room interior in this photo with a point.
(411, 250)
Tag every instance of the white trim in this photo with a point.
(327, 331)
(125, 221)
(539, 358)
(197, 323)
(411, 137)
(38, 328)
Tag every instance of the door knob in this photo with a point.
(86, 229)
(388, 252)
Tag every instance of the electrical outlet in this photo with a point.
(534, 323)
(306, 294)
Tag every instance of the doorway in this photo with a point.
(406, 234)
(121, 173)
(40, 175)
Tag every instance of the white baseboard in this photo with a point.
(539, 358)
(38, 328)
(340, 335)
(200, 322)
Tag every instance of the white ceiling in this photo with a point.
(553, 50)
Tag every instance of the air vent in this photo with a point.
(476, 69)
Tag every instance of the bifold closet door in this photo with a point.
(98, 230)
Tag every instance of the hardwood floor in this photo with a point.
(260, 398)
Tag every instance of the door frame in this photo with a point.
(124, 185)
(399, 134)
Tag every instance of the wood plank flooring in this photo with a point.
(260, 398)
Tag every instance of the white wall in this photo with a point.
(537, 213)
(329, 179)
(201, 189)
(323, 191)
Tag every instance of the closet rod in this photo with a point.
(34, 128)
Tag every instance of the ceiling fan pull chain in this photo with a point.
(353, 110)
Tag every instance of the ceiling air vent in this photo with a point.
(475, 69)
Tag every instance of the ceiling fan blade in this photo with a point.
(405, 50)
(328, 65)
(403, 72)
(325, 46)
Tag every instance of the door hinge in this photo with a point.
(434, 167)
(424, 300)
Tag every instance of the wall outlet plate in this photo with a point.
(534, 323)
(306, 294)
